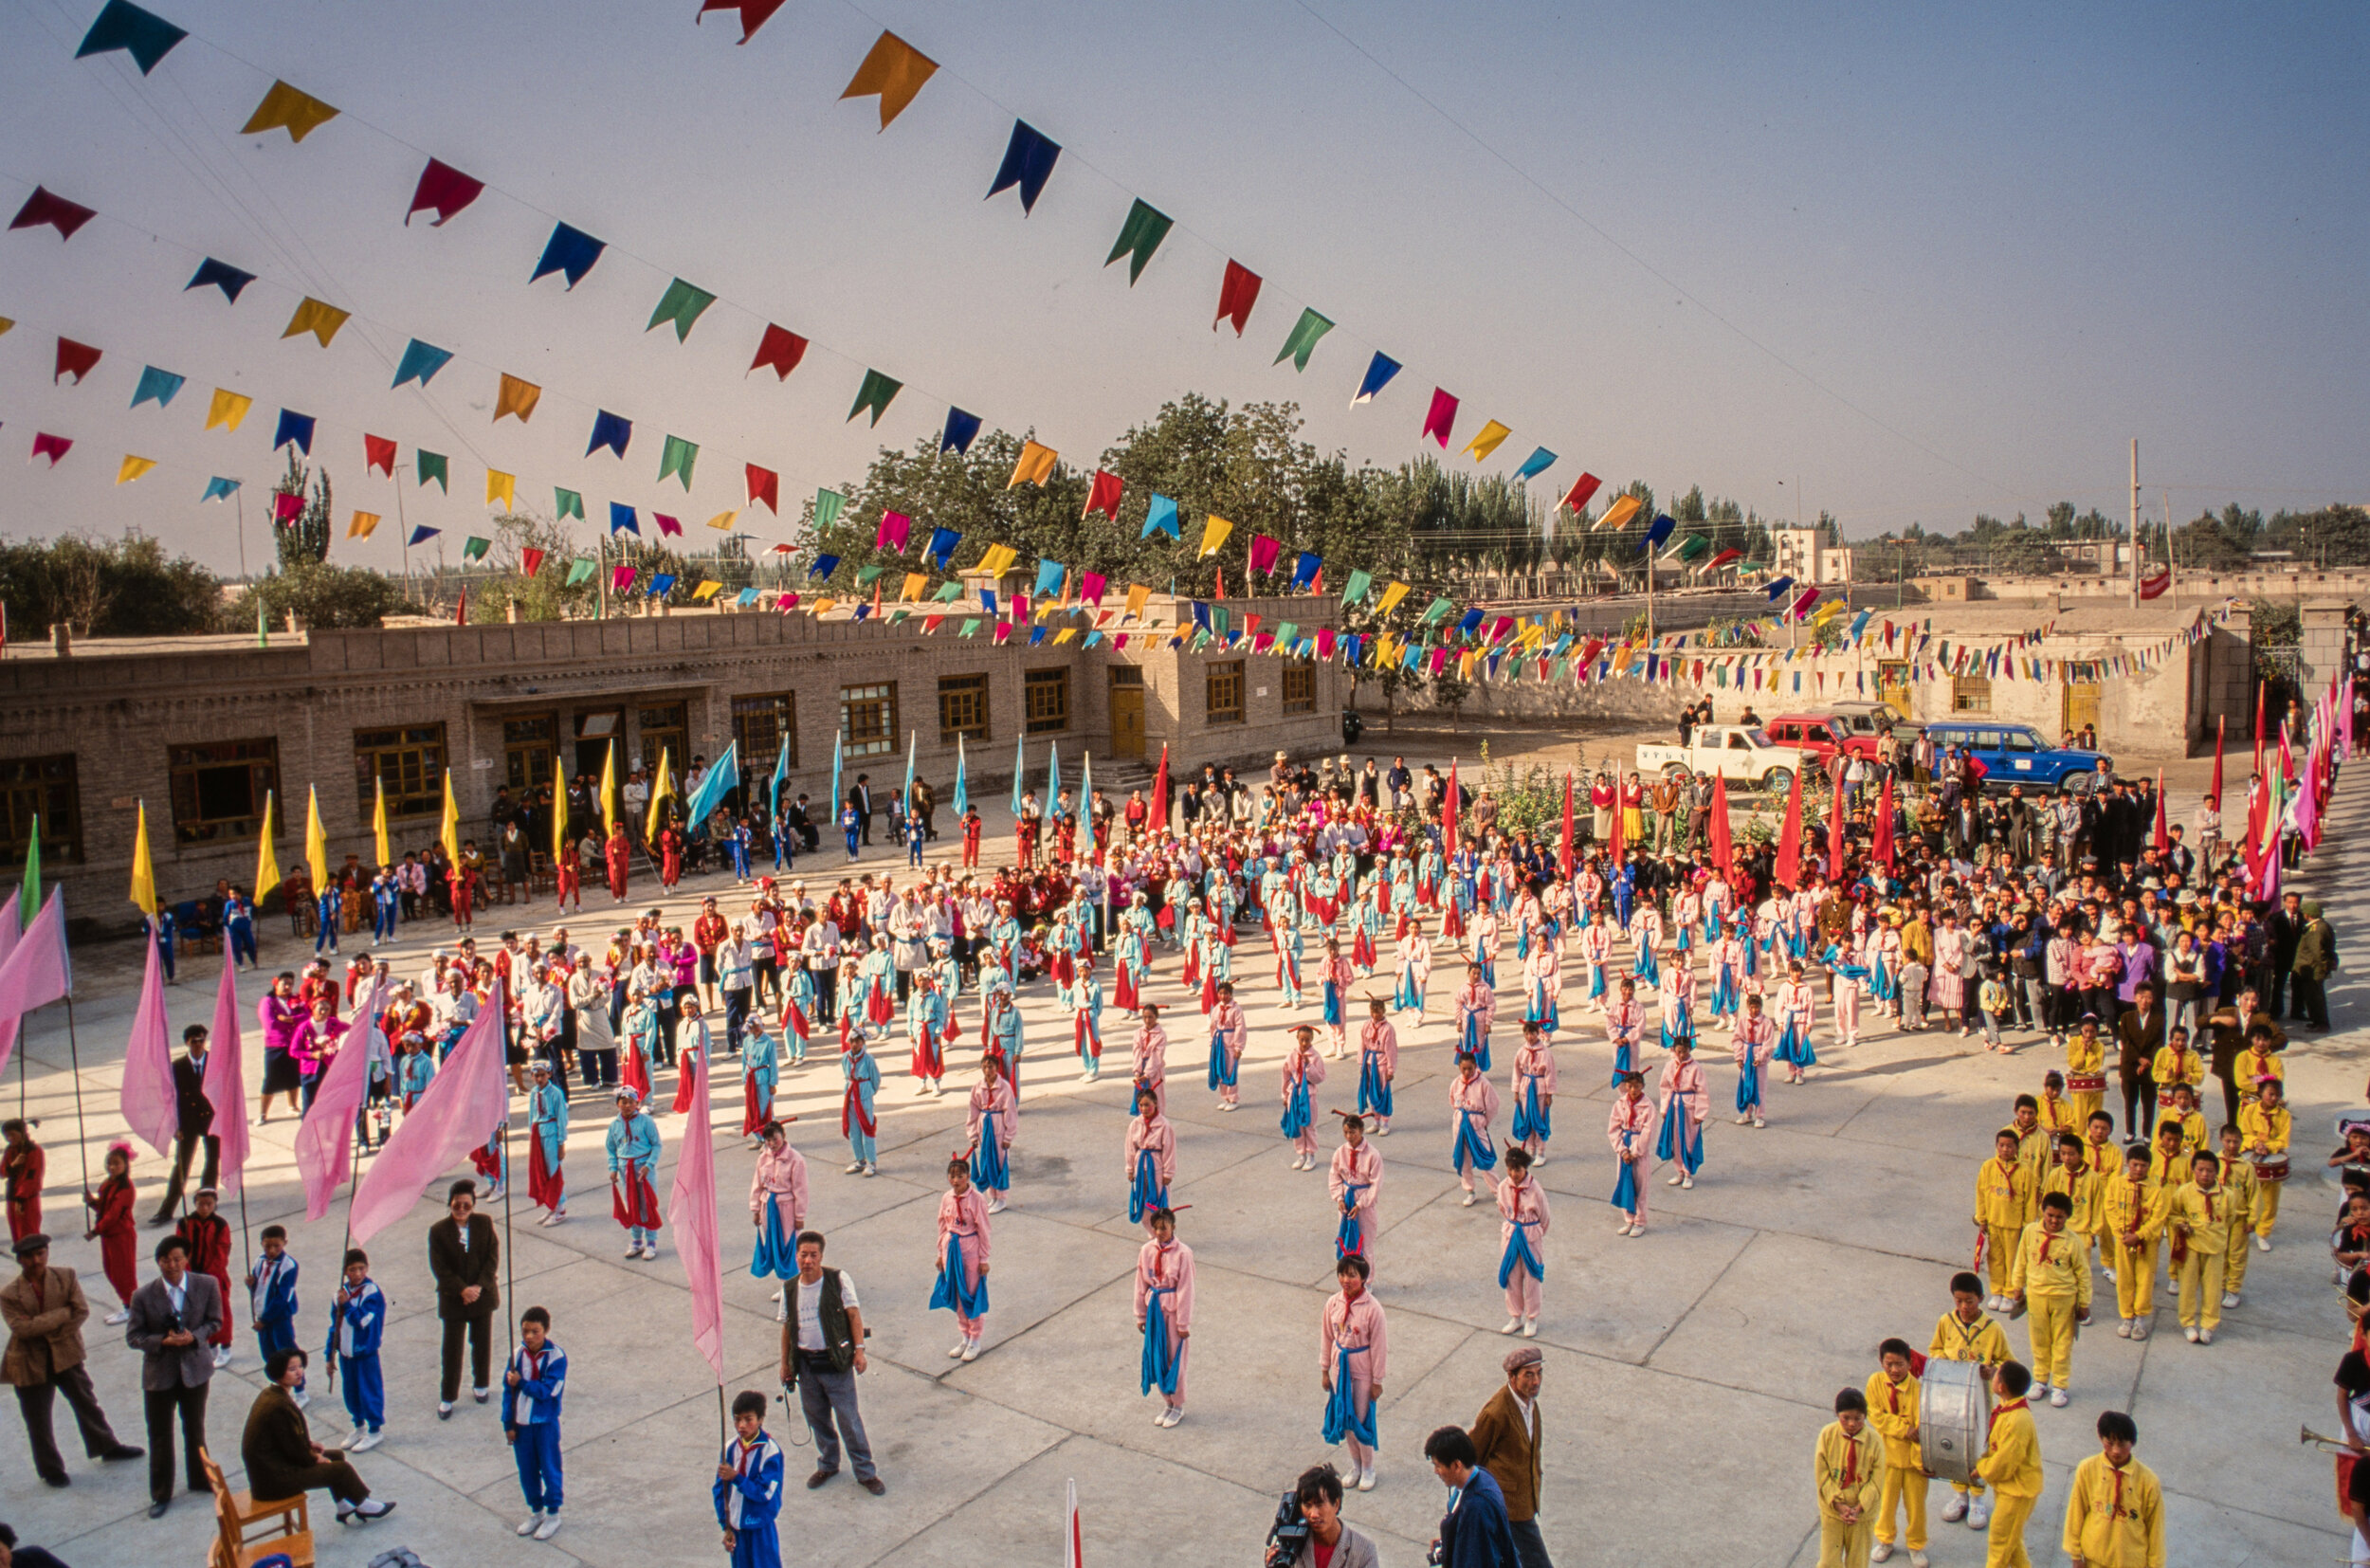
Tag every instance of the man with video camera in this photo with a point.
(1308, 1532)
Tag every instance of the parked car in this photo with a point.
(1820, 736)
(2018, 754)
(1726, 751)
(1872, 719)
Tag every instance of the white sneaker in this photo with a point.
(956, 1352)
(856, 1169)
(221, 1357)
(1627, 1226)
(1956, 1509)
(2057, 1397)
(1366, 1478)
(121, 1316)
(2190, 1334)
(1744, 1121)
(549, 1528)
(1675, 1181)
(2205, 1335)
(970, 1351)
(1530, 1328)
(633, 1250)
(869, 1169)
(366, 1441)
(2263, 1243)
(1758, 1123)
(995, 1205)
(1979, 1514)
(2229, 1298)
(2123, 1328)
(526, 1526)
(1468, 1203)
(1688, 1182)
(1512, 1325)
(1883, 1552)
(1171, 1416)
(1919, 1559)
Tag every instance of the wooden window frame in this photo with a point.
(955, 694)
(1215, 678)
(1044, 701)
(374, 748)
(47, 787)
(1300, 688)
(880, 695)
(780, 711)
(259, 754)
(1970, 694)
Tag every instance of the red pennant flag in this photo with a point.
(1447, 812)
(765, 486)
(2221, 722)
(51, 447)
(1160, 788)
(1881, 846)
(76, 359)
(780, 350)
(1236, 296)
(461, 608)
(1723, 847)
(753, 14)
(1563, 851)
(442, 190)
(1581, 489)
(1787, 872)
(44, 208)
(2163, 839)
(1219, 591)
(1104, 497)
(379, 453)
(530, 560)
(287, 508)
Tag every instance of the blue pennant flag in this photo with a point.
(781, 773)
(1036, 635)
(610, 431)
(571, 252)
(1660, 531)
(1305, 573)
(987, 600)
(297, 428)
(1201, 614)
(1379, 374)
(1020, 770)
(421, 535)
(942, 543)
(661, 583)
(221, 275)
(1161, 518)
(1777, 587)
(1048, 579)
(121, 25)
(1028, 161)
(157, 384)
(824, 566)
(962, 429)
(420, 362)
(219, 488)
(622, 520)
(1537, 464)
(1471, 622)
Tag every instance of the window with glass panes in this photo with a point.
(1300, 686)
(409, 761)
(218, 788)
(867, 720)
(962, 708)
(1223, 694)
(43, 787)
(761, 725)
(529, 747)
(1044, 697)
(1971, 694)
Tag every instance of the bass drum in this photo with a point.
(1954, 1418)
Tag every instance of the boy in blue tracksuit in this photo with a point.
(749, 1486)
(271, 1293)
(532, 1389)
(361, 1310)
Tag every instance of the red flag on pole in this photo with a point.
(1563, 853)
(1881, 843)
(1789, 868)
(691, 1210)
(1723, 847)
(1160, 789)
(1615, 850)
(2221, 722)
(2163, 839)
(1447, 813)
(1835, 838)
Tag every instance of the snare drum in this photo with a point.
(1954, 1418)
(2086, 1084)
(2268, 1167)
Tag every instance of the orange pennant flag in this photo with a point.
(322, 319)
(516, 397)
(286, 109)
(896, 70)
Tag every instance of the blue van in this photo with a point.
(2017, 753)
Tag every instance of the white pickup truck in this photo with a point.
(1726, 751)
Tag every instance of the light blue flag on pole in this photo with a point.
(962, 783)
(1020, 767)
(781, 774)
(836, 801)
(905, 801)
(1052, 773)
(722, 777)
(1086, 796)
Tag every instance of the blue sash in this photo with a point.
(776, 1254)
(1351, 1237)
(989, 1170)
(1473, 1039)
(1472, 1147)
(1681, 1142)
(1523, 943)
(1145, 1193)
(1711, 925)
(1333, 1004)
(1518, 1255)
(1625, 1190)
(1542, 1008)
(1748, 1083)
(1530, 1117)
(1296, 1110)
(1796, 1048)
(1621, 1062)
(1724, 993)
(1407, 997)
(1752, 953)
(1160, 1364)
(1221, 1070)
(1648, 970)
(1341, 1413)
(1373, 1089)
(1595, 981)
(951, 1292)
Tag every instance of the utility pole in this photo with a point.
(2135, 522)
(2171, 580)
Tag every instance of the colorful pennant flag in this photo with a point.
(1104, 495)
(1028, 161)
(570, 252)
(1236, 295)
(222, 275)
(681, 305)
(502, 488)
(676, 458)
(318, 316)
(962, 429)
(1576, 498)
(895, 531)
(579, 569)
(1379, 374)
(293, 426)
(133, 467)
(667, 527)
(622, 520)
(516, 398)
(1034, 466)
(723, 522)
(1442, 417)
(420, 362)
(421, 534)
(427, 466)
(474, 548)
(44, 207)
(895, 71)
(75, 359)
(1619, 513)
(219, 488)
(877, 392)
(778, 351)
(51, 447)
(1214, 532)
(610, 431)
(160, 385)
(285, 108)
(1354, 591)
(1538, 463)
(1302, 341)
(1161, 518)
(753, 14)
(764, 485)
(379, 453)
(567, 503)
(1492, 435)
(145, 37)
(360, 528)
(827, 509)
(442, 190)
(1140, 236)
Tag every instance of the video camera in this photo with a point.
(1288, 1533)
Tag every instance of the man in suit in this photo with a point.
(465, 1256)
(2139, 1032)
(1507, 1437)
(861, 796)
(194, 1120)
(45, 1311)
(282, 1461)
(1474, 1530)
(172, 1318)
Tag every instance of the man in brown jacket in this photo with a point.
(1506, 1435)
(465, 1256)
(44, 1310)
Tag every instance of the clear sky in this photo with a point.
(1913, 263)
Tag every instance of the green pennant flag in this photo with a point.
(876, 394)
(30, 902)
(827, 509)
(681, 305)
(1284, 633)
(566, 503)
(898, 614)
(432, 466)
(1356, 590)
(474, 550)
(1140, 236)
(1302, 341)
(677, 460)
(970, 628)
(949, 591)
(579, 569)
(1220, 620)
(867, 575)
(1435, 612)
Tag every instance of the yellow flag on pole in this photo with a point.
(661, 787)
(266, 858)
(143, 872)
(449, 829)
(379, 824)
(316, 841)
(559, 811)
(609, 790)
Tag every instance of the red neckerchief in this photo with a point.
(2045, 1239)
(1892, 1392)
(1998, 1411)
(2118, 1474)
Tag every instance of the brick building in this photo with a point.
(199, 729)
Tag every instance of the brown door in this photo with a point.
(1127, 721)
(2082, 705)
(1892, 687)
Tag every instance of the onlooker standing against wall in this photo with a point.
(1507, 1437)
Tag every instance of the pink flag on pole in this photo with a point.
(324, 1140)
(691, 1210)
(469, 1099)
(9, 924)
(225, 1072)
(36, 973)
(150, 1106)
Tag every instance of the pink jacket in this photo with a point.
(1685, 1080)
(964, 1213)
(1624, 1021)
(1477, 1095)
(1152, 1054)
(1379, 1037)
(1169, 1265)
(1353, 1167)
(1228, 1025)
(1160, 1138)
(1296, 1067)
(1534, 1062)
(993, 1098)
(1474, 1002)
(784, 1176)
(1635, 1118)
(1757, 1036)
(1525, 1204)
(1354, 1323)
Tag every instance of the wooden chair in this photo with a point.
(288, 1524)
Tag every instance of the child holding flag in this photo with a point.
(749, 1486)
(532, 1389)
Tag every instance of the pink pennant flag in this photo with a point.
(691, 1210)
(287, 508)
(1091, 588)
(150, 1106)
(1264, 551)
(51, 447)
(671, 527)
(621, 579)
(1325, 642)
(36, 973)
(324, 1140)
(462, 1108)
(896, 529)
(226, 1071)
(1442, 417)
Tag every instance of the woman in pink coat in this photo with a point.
(993, 1119)
(1630, 1131)
(1947, 988)
(962, 1254)
(1522, 1233)
(1473, 1103)
(1164, 1314)
(1353, 1360)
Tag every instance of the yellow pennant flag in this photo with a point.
(227, 408)
(1213, 534)
(915, 583)
(559, 811)
(896, 70)
(821, 605)
(706, 590)
(6, 322)
(362, 526)
(1137, 595)
(285, 108)
(609, 790)
(1493, 434)
(722, 522)
(661, 787)
(448, 828)
(997, 561)
(267, 857)
(1035, 466)
(133, 469)
(317, 317)
(379, 824)
(1391, 597)
(502, 488)
(1619, 513)
(143, 873)
(1065, 636)
(316, 841)
(516, 397)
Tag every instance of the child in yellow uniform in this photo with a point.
(2115, 1517)
(2176, 1064)
(2003, 1206)
(1847, 1467)
(2182, 1112)
(2236, 1178)
(2105, 1161)
(1964, 1334)
(2168, 1164)
(2033, 1137)
(2057, 1113)
(2012, 1465)
(2134, 1211)
(2073, 1175)
(2199, 1221)
(2264, 1128)
(2086, 1070)
(1893, 1410)
(2255, 1063)
(2052, 1279)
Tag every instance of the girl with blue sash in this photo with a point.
(1597, 953)
(990, 1122)
(1302, 1070)
(962, 1284)
(1474, 1102)
(1336, 978)
(1629, 1129)
(1522, 1227)
(1796, 1016)
(1483, 953)
(1355, 1179)
(1684, 1104)
(1534, 1093)
(1646, 932)
(1728, 961)
(1228, 1034)
(1544, 973)
(1378, 1064)
(1151, 1158)
(1625, 1027)
(1357, 1343)
(1164, 1314)
(1415, 966)
(1755, 1045)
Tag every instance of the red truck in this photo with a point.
(1820, 736)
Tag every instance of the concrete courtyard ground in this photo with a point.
(1686, 1372)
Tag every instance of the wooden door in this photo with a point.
(1892, 687)
(2082, 705)
(1127, 721)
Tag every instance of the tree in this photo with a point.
(545, 596)
(324, 597)
(303, 540)
(105, 588)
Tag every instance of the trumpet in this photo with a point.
(2330, 1444)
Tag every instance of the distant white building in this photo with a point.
(1804, 555)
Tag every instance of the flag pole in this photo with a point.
(510, 1250)
(74, 1056)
